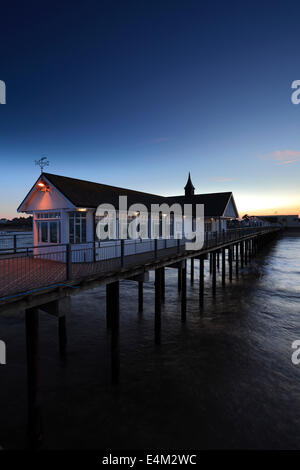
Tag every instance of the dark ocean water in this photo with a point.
(223, 379)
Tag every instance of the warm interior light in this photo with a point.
(81, 210)
(41, 185)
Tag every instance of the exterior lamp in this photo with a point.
(43, 187)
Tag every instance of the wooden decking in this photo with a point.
(21, 274)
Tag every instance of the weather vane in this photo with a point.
(42, 162)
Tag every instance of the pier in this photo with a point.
(44, 281)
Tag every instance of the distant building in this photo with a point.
(64, 208)
(288, 221)
(252, 221)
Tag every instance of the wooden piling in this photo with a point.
(192, 270)
(179, 279)
(223, 266)
(163, 285)
(230, 263)
(157, 316)
(158, 291)
(33, 377)
(242, 254)
(141, 296)
(237, 260)
(114, 302)
(201, 281)
(214, 277)
(108, 305)
(183, 292)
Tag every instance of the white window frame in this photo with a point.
(83, 217)
(48, 217)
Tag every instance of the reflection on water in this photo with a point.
(221, 379)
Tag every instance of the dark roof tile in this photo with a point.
(88, 194)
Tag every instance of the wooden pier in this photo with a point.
(25, 277)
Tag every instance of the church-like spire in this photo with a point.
(189, 188)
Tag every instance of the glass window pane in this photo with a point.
(53, 232)
(77, 227)
(44, 232)
(71, 228)
(77, 233)
(83, 230)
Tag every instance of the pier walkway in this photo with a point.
(32, 272)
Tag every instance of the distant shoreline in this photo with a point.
(15, 228)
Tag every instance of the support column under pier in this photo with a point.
(141, 296)
(237, 260)
(223, 266)
(192, 270)
(183, 292)
(214, 277)
(242, 254)
(113, 301)
(33, 377)
(201, 281)
(163, 293)
(179, 279)
(230, 263)
(158, 298)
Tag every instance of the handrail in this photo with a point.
(212, 235)
(39, 268)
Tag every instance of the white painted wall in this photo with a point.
(230, 210)
(41, 201)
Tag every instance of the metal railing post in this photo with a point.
(122, 252)
(155, 248)
(15, 243)
(69, 261)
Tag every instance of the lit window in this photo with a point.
(77, 227)
(48, 215)
(48, 231)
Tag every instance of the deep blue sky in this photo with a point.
(138, 93)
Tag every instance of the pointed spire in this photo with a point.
(189, 188)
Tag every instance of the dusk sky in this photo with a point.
(138, 93)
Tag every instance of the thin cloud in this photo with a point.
(283, 157)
